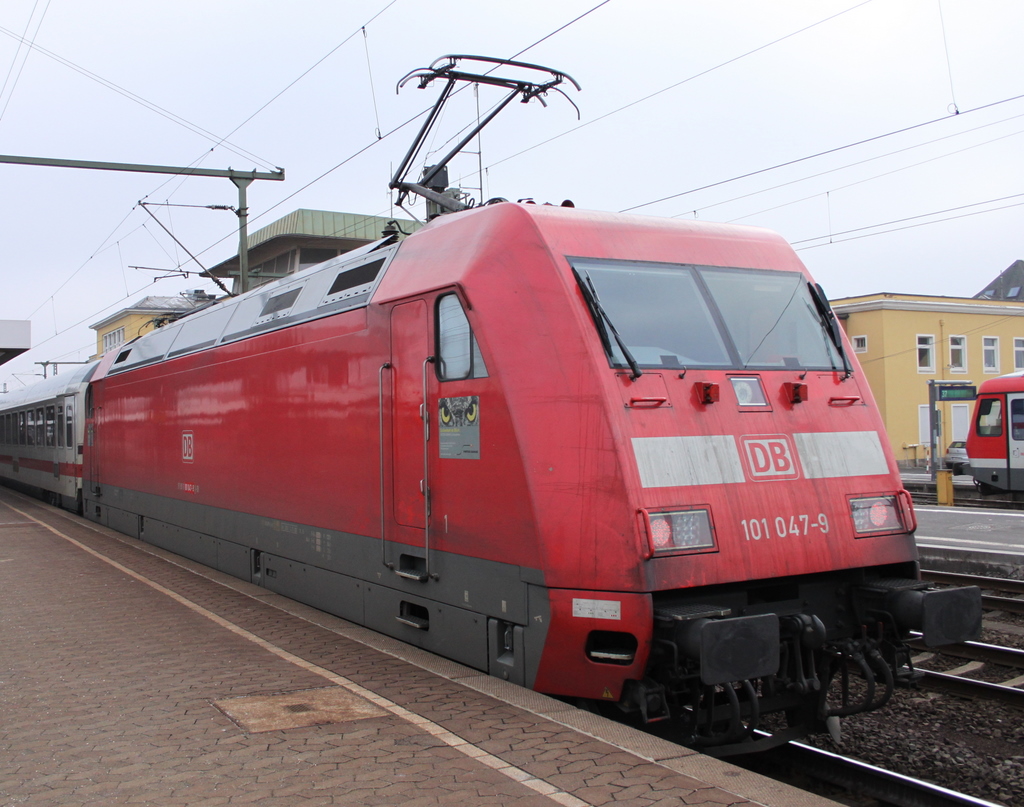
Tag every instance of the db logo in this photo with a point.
(769, 457)
(188, 447)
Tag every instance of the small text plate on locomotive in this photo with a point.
(597, 609)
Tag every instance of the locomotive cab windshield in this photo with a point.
(683, 316)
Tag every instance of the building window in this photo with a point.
(925, 353)
(990, 353)
(113, 339)
(1018, 354)
(958, 354)
(924, 426)
(860, 344)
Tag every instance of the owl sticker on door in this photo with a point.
(458, 421)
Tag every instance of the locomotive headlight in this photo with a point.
(876, 514)
(680, 531)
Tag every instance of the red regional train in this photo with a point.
(620, 459)
(995, 443)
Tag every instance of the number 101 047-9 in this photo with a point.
(754, 529)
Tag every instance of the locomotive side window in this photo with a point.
(457, 349)
(990, 417)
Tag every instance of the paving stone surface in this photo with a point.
(118, 663)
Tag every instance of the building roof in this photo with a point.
(157, 305)
(311, 228)
(1008, 286)
(926, 302)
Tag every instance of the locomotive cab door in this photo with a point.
(432, 344)
(413, 386)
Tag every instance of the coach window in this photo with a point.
(457, 349)
(51, 426)
(990, 417)
(30, 427)
(69, 425)
(40, 427)
(21, 428)
(1017, 419)
(60, 426)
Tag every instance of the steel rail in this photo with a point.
(977, 651)
(971, 688)
(1002, 584)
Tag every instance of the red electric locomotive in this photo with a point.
(623, 459)
(619, 459)
(995, 443)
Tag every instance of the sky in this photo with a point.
(883, 138)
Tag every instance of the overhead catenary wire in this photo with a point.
(679, 84)
(831, 236)
(863, 162)
(17, 53)
(369, 74)
(949, 65)
(138, 99)
(825, 152)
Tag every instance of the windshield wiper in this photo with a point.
(599, 314)
(830, 325)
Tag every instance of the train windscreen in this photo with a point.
(679, 316)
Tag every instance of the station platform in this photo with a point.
(129, 675)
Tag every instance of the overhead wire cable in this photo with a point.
(311, 68)
(949, 65)
(24, 61)
(866, 179)
(369, 73)
(826, 152)
(153, 107)
(679, 84)
(911, 218)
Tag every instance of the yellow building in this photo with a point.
(903, 341)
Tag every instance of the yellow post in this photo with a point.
(944, 487)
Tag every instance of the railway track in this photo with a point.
(857, 777)
(967, 500)
(977, 654)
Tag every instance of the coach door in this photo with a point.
(413, 386)
(91, 487)
(1015, 439)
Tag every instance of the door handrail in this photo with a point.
(383, 503)
(426, 471)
